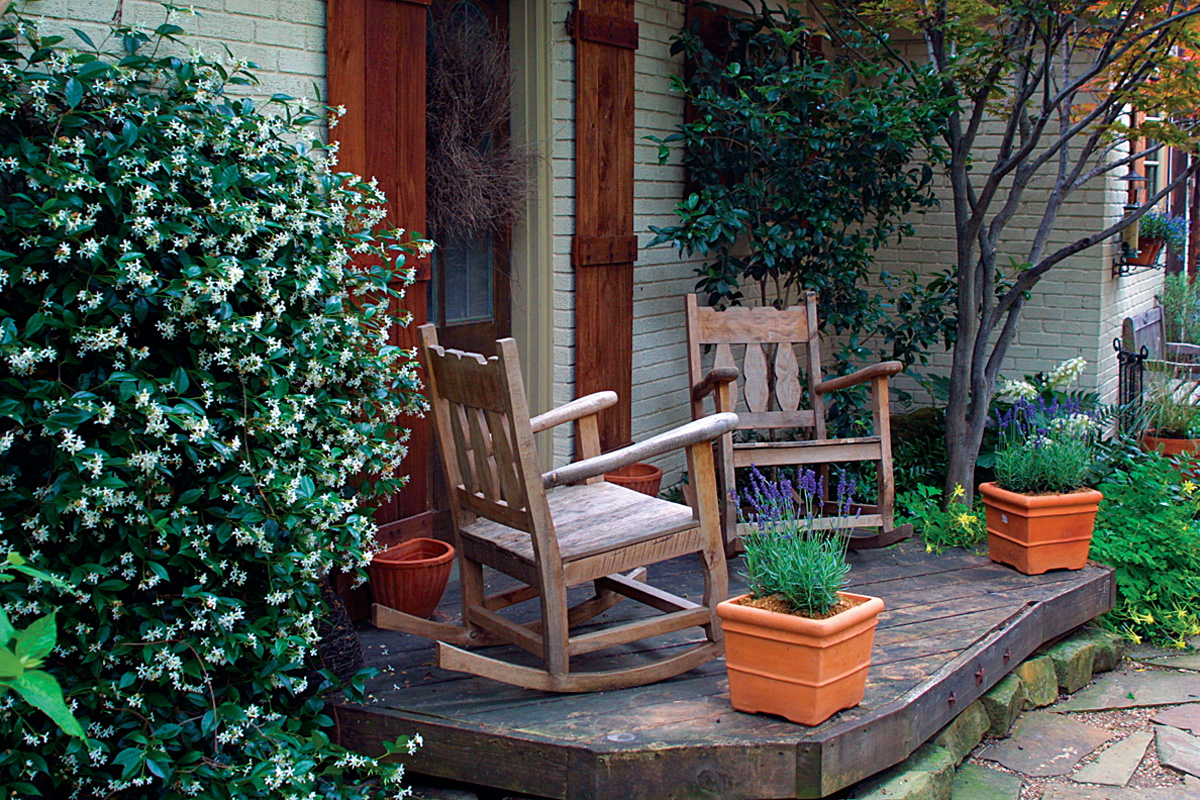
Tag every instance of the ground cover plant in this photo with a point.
(197, 396)
(1148, 529)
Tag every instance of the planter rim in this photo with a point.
(735, 612)
(395, 555)
(1081, 498)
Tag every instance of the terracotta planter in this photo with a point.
(1147, 254)
(412, 575)
(1169, 446)
(803, 669)
(1036, 533)
(644, 478)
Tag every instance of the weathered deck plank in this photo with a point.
(955, 624)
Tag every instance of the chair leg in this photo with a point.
(555, 627)
(470, 576)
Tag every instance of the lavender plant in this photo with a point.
(1046, 447)
(785, 554)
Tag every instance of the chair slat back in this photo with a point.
(1144, 330)
(488, 450)
(761, 342)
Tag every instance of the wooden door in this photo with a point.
(470, 292)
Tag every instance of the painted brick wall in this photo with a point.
(285, 38)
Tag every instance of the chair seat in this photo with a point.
(631, 518)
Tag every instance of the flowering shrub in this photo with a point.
(1045, 447)
(196, 396)
(1048, 385)
(785, 555)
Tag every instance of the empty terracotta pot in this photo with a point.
(644, 478)
(411, 576)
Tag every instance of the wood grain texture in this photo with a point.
(604, 138)
(948, 616)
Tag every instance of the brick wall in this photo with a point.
(285, 38)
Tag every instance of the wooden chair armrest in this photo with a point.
(715, 377)
(704, 429)
(882, 370)
(580, 407)
(1182, 348)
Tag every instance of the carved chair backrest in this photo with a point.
(1144, 330)
(762, 343)
(488, 452)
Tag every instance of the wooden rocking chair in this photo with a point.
(772, 396)
(561, 529)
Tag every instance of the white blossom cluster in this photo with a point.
(201, 393)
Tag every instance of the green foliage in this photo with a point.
(197, 400)
(804, 167)
(1147, 529)
(951, 525)
(919, 449)
(22, 652)
(784, 555)
(1168, 409)
(1045, 447)
(1180, 300)
(1171, 229)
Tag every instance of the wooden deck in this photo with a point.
(955, 624)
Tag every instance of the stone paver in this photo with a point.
(1045, 744)
(1130, 689)
(926, 775)
(966, 731)
(1185, 718)
(1110, 647)
(1191, 662)
(1116, 793)
(1003, 704)
(1116, 765)
(1178, 749)
(1073, 660)
(973, 782)
(1041, 684)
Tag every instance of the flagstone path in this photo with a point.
(1129, 735)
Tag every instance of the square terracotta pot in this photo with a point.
(803, 669)
(1036, 533)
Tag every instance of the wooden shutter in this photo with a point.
(604, 247)
(376, 57)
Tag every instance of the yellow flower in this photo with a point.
(958, 492)
(1189, 488)
(966, 520)
(1145, 619)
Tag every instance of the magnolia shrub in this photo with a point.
(198, 396)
